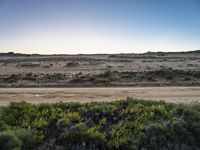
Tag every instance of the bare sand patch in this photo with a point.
(188, 95)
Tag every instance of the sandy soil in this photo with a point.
(149, 69)
(188, 95)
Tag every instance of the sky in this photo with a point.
(99, 26)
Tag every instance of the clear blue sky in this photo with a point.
(99, 26)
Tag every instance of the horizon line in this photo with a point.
(149, 51)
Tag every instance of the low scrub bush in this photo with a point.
(120, 125)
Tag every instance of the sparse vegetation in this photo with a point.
(148, 69)
(166, 76)
(130, 124)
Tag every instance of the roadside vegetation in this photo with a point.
(166, 76)
(120, 125)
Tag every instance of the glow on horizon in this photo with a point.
(125, 27)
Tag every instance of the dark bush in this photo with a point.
(9, 141)
(29, 140)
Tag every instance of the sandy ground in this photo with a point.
(188, 95)
(149, 69)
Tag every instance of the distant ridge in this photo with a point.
(149, 52)
(183, 52)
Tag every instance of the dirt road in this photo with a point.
(38, 95)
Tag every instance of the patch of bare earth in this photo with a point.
(188, 95)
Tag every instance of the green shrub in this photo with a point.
(76, 135)
(83, 136)
(130, 124)
(29, 140)
(63, 122)
(9, 141)
(96, 137)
